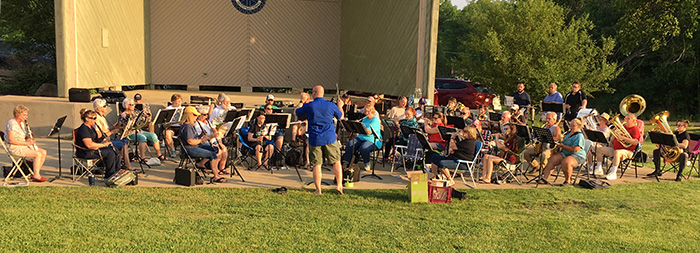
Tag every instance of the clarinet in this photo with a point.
(104, 135)
(30, 135)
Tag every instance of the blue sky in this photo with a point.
(459, 3)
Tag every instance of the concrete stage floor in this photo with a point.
(162, 176)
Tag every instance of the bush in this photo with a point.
(27, 79)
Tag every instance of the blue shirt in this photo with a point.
(556, 97)
(187, 131)
(320, 114)
(374, 124)
(576, 139)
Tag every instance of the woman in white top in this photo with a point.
(100, 106)
(21, 143)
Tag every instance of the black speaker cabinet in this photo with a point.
(78, 95)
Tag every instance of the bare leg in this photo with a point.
(156, 146)
(125, 156)
(317, 178)
(337, 169)
(39, 158)
(554, 160)
(258, 154)
(168, 139)
(446, 172)
(142, 149)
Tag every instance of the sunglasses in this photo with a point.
(130, 104)
(268, 108)
(92, 118)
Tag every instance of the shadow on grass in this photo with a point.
(390, 195)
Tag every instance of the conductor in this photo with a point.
(322, 140)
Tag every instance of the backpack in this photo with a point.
(593, 184)
(293, 158)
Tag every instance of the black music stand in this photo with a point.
(595, 136)
(359, 128)
(664, 139)
(57, 130)
(283, 122)
(457, 122)
(354, 115)
(523, 131)
(544, 136)
(232, 134)
(136, 144)
(446, 134)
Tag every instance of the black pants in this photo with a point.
(111, 161)
(681, 160)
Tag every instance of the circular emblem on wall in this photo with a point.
(248, 6)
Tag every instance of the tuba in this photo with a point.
(660, 123)
(634, 104)
(617, 129)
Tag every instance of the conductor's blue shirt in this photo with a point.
(320, 114)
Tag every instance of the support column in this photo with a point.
(66, 55)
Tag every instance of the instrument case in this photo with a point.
(187, 177)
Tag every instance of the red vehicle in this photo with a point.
(470, 94)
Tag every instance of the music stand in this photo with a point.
(552, 107)
(523, 131)
(232, 134)
(664, 139)
(446, 134)
(354, 115)
(457, 122)
(544, 136)
(56, 129)
(125, 134)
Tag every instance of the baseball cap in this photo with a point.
(192, 110)
(422, 101)
(515, 107)
(270, 97)
(137, 96)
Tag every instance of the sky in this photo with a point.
(459, 3)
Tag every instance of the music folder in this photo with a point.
(354, 127)
(543, 135)
(552, 107)
(162, 115)
(457, 122)
(595, 136)
(663, 139)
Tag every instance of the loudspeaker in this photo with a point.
(78, 95)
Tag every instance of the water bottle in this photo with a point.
(91, 180)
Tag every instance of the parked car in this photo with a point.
(470, 94)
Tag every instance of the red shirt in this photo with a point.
(436, 137)
(634, 133)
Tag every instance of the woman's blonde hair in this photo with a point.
(188, 118)
(370, 109)
(577, 121)
(19, 109)
(470, 132)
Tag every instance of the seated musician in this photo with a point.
(21, 143)
(399, 139)
(269, 100)
(618, 151)
(168, 133)
(462, 147)
(517, 115)
(571, 155)
(509, 147)
(91, 143)
(278, 136)
(365, 143)
(683, 139)
(203, 127)
(344, 103)
(144, 136)
(469, 118)
(453, 106)
(431, 128)
(100, 107)
(397, 113)
(198, 145)
(505, 120)
(602, 127)
(530, 153)
(219, 112)
(260, 142)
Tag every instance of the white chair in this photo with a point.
(469, 166)
(17, 163)
(412, 151)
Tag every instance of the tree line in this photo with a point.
(613, 47)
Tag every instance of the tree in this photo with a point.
(534, 42)
(28, 26)
(448, 45)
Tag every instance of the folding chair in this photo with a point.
(469, 165)
(694, 152)
(187, 160)
(246, 151)
(17, 163)
(584, 167)
(82, 166)
(633, 161)
(511, 170)
(412, 151)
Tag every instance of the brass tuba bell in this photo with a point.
(617, 129)
(660, 123)
(634, 104)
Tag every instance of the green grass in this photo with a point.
(647, 217)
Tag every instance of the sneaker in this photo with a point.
(367, 167)
(173, 154)
(599, 172)
(611, 176)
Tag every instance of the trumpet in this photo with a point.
(31, 136)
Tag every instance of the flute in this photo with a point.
(31, 135)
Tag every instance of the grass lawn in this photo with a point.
(646, 217)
